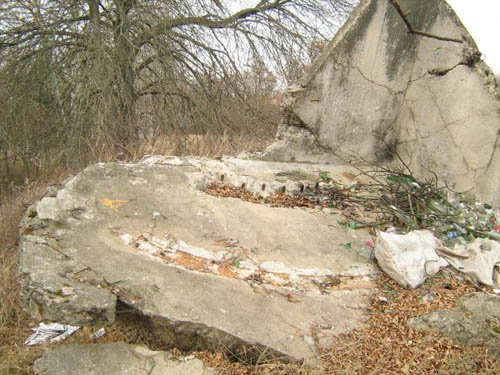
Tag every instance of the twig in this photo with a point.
(411, 30)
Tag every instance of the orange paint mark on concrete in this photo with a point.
(115, 204)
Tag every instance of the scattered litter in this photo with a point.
(383, 299)
(52, 332)
(392, 199)
(451, 235)
(395, 201)
(97, 334)
(409, 259)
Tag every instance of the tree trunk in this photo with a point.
(124, 87)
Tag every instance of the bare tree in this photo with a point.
(92, 69)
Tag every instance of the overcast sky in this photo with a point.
(482, 19)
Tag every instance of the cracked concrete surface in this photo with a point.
(377, 88)
(114, 359)
(200, 271)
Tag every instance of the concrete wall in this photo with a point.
(378, 89)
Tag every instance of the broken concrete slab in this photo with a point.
(377, 89)
(114, 359)
(201, 271)
(51, 293)
(472, 322)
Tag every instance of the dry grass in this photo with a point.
(212, 145)
(14, 326)
(14, 323)
(388, 345)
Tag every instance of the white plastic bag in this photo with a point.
(477, 259)
(409, 259)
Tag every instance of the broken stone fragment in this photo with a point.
(50, 289)
(472, 322)
(114, 359)
(245, 276)
(378, 90)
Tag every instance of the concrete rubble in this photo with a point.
(470, 323)
(201, 271)
(377, 89)
(114, 359)
(205, 272)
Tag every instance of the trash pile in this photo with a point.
(420, 226)
(410, 258)
(394, 199)
(389, 199)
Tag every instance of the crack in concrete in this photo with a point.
(153, 366)
(446, 127)
(392, 91)
(412, 30)
(442, 72)
(413, 119)
(416, 79)
(495, 150)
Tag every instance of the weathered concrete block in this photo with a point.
(114, 359)
(199, 271)
(468, 323)
(378, 89)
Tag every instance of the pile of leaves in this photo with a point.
(389, 345)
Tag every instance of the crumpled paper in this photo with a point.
(52, 332)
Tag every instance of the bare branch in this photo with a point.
(411, 30)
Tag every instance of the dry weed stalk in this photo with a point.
(13, 321)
